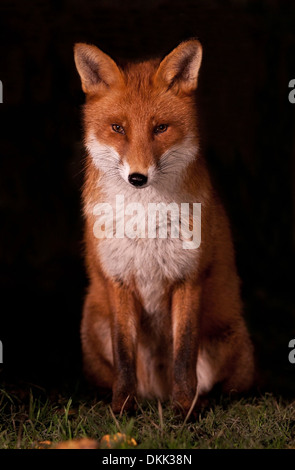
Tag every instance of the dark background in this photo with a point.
(248, 129)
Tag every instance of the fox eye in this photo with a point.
(117, 128)
(160, 129)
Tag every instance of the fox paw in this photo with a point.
(125, 403)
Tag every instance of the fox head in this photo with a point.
(140, 119)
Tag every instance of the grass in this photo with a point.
(249, 423)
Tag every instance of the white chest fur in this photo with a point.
(150, 262)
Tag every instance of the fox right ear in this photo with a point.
(179, 70)
(96, 69)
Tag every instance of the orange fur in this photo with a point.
(195, 335)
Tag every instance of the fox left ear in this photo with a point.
(98, 72)
(180, 68)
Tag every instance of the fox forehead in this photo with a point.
(139, 77)
(139, 100)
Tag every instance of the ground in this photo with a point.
(37, 421)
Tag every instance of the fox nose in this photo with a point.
(137, 179)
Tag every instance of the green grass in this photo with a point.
(257, 422)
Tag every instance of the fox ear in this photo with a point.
(96, 69)
(180, 68)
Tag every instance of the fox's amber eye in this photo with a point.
(118, 128)
(160, 129)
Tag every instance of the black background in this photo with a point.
(248, 128)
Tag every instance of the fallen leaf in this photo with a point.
(83, 443)
(43, 444)
(117, 441)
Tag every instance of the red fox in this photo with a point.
(159, 320)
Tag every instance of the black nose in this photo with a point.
(137, 179)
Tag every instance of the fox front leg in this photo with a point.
(185, 324)
(124, 339)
